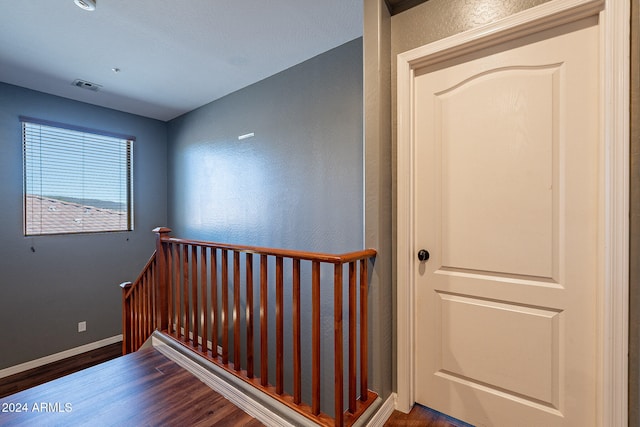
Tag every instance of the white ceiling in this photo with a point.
(174, 55)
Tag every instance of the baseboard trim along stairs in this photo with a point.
(257, 404)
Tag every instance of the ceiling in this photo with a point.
(397, 6)
(173, 55)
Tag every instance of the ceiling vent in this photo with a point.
(89, 5)
(86, 85)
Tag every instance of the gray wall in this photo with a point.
(378, 208)
(44, 294)
(297, 184)
(437, 19)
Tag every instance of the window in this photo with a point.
(75, 180)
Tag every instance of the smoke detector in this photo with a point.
(86, 85)
(86, 4)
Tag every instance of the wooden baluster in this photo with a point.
(315, 300)
(134, 320)
(297, 380)
(137, 317)
(185, 290)
(195, 306)
(141, 296)
(225, 307)
(139, 309)
(264, 322)
(249, 312)
(203, 290)
(171, 322)
(178, 289)
(152, 308)
(132, 302)
(236, 311)
(126, 318)
(352, 336)
(143, 307)
(136, 294)
(364, 332)
(143, 310)
(214, 301)
(338, 351)
(155, 297)
(149, 317)
(279, 327)
(132, 305)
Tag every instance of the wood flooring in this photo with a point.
(141, 389)
(42, 374)
(136, 399)
(421, 416)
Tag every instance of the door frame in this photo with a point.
(613, 280)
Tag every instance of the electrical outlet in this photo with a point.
(82, 326)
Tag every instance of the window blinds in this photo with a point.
(75, 181)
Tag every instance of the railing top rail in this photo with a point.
(285, 253)
(144, 269)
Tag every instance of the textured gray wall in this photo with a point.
(44, 294)
(298, 184)
(378, 209)
(437, 19)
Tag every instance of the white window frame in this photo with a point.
(88, 216)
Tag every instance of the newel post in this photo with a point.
(162, 316)
(126, 319)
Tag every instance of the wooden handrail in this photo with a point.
(192, 291)
(138, 308)
(285, 253)
(146, 267)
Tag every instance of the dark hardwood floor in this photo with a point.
(421, 416)
(130, 391)
(142, 388)
(42, 374)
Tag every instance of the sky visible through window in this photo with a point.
(74, 166)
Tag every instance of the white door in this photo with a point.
(507, 204)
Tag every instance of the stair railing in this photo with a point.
(193, 292)
(139, 308)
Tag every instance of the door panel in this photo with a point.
(507, 204)
(519, 187)
(502, 333)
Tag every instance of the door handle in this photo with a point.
(423, 255)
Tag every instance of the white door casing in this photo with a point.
(610, 376)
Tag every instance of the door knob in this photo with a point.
(423, 255)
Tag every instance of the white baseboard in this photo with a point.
(58, 356)
(384, 412)
(258, 405)
(254, 402)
